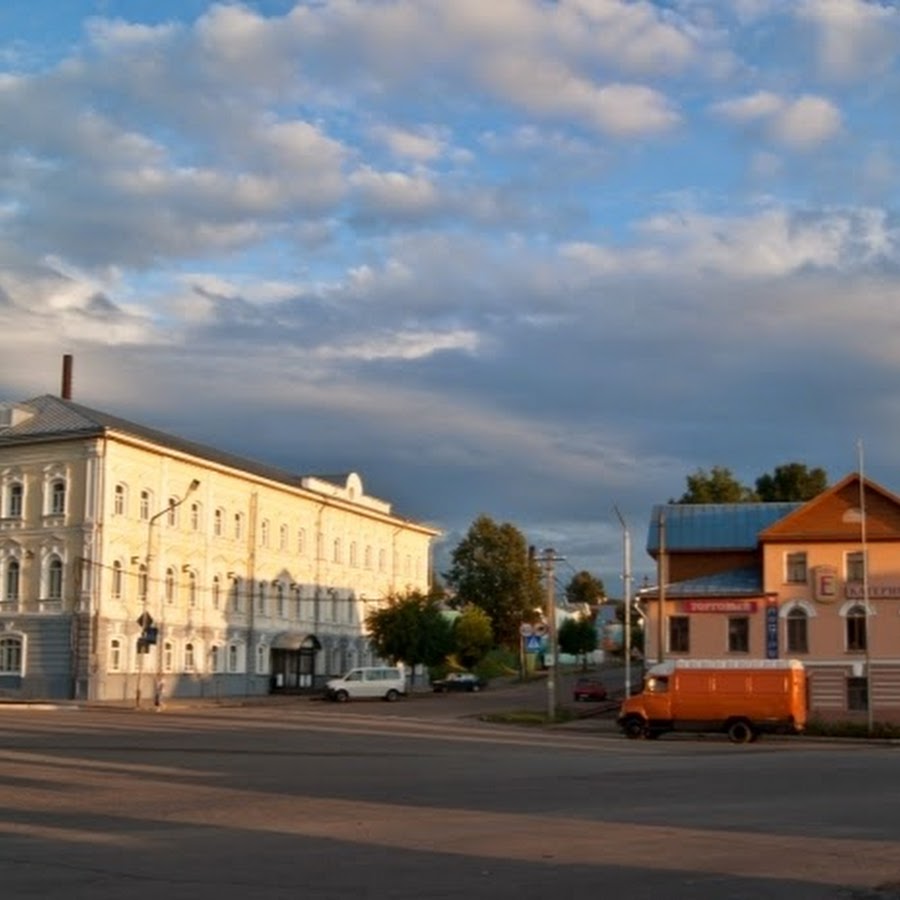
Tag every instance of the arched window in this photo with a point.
(144, 510)
(188, 657)
(218, 516)
(856, 628)
(11, 655)
(233, 659)
(168, 656)
(54, 578)
(238, 526)
(353, 560)
(11, 588)
(192, 590)
(117, 580)
(115, 655)
(216, 592)
(261, 658)
(279, 599)
(283, 538)
(142, 583)
(336, 556)
(797, 630)
(215, 659)
(236, 596)
(58, 497)
(15, 505)
(195, 517)
(119, 500)
(170, 585)
(172, 512)
(264, 533)
(261, 602)
(301, 541)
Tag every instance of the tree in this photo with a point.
(577, 637)
(411, 629)
(585, 588)
(791, 482)
(473, 636)
(491, 568)
(716, 486)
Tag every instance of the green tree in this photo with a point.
(716, 486)
(791, 482)
(473, 636)
(491, 568)
(577, 637)
(411, 629)
(585, 588)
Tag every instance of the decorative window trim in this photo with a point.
(805, 605)
(11, 639)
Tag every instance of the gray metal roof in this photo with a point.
(55, 418)
(713, 526)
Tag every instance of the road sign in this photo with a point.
(525, 630)
(534, 643)
(540, 629)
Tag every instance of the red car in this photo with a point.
(589, 689)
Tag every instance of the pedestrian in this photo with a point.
(158, 695)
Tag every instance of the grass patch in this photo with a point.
(528, 717)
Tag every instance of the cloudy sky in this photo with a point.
(525, 258)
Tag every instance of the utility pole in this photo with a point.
(626, 579)
(549, 559)
(661, 593)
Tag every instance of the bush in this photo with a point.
(880, 730)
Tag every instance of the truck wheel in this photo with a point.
(740, 732)
(634, 728)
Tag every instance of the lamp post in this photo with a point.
(145, 620)
(626, 579)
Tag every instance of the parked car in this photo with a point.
(459, 681)
(589, 689)
(388, 682)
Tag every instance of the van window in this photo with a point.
(658, 684)
(355, 675)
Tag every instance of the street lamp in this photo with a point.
(626, 578)
(146, 620)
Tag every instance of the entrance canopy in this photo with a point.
(295, 640)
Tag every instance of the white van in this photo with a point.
(388, 682)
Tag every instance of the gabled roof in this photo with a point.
(836, 515)
(713, 526)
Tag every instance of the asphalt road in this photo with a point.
(421, 799)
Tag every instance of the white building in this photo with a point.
(130, 557)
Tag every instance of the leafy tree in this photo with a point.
(716, 486)
(792, 482)
(473, 636)
(411, 629)
(577, 637)
(491, 568)
(585, 588)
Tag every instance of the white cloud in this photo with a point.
(421, 146)
(856, 38)
(802, 123)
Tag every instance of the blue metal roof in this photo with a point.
(713, 526)
(736, 582)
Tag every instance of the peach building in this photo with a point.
(816, 581)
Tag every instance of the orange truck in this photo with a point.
(740, 698)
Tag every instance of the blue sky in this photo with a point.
(528, 259)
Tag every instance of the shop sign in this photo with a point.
(771, 630)
(720, 606)
(825, 584)
(854, 591)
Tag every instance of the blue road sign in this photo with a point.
(534, 643)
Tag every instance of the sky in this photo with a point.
(528, 259)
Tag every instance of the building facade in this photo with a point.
(132, 559)
(816, 581)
